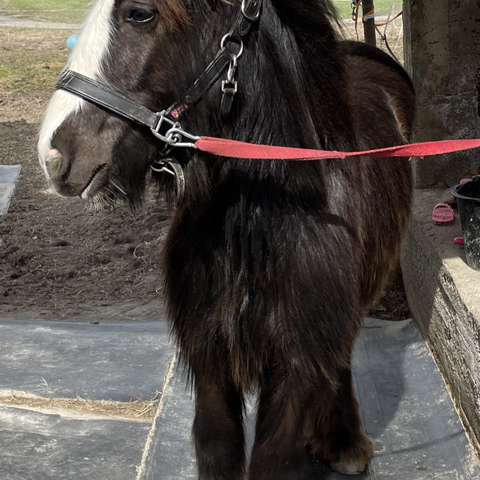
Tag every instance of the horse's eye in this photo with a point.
(139, 16)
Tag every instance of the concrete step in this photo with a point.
(444, 296)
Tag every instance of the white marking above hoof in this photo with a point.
(349, 468)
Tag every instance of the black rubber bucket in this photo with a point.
(468, 200)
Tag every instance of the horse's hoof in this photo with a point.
(349, 468)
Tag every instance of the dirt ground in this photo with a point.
(59, 260)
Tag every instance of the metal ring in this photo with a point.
(222, 44)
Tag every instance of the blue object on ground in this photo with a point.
(72, 40)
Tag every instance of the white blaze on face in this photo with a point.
(86, 58)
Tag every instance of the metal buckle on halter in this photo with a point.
(229, 36)
(173, 136)
(252, 18)
(161, 166)
(162, 120)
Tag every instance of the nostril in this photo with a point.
(53, 163)
(47, 155)
(51, 154)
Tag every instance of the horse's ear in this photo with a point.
(173, 13)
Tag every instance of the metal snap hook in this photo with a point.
(173, 167)
(232, 68)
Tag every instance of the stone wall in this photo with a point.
(442, 55)
(443, 295)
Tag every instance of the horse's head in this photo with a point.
(153, 51)
(149, 50)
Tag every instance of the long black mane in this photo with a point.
(296, 42)
(291, 93)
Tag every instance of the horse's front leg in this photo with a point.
(337, 430)
(279, 452)
(218, 430)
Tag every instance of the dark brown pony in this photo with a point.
(271, 264)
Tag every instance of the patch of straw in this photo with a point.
(135, 409)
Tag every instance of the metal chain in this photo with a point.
(355, 4)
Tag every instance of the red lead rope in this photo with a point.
(232, 148)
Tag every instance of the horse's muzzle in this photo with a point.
(58, 171)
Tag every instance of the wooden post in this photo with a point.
(369, 25)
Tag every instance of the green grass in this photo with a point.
(344, 7)
(62, 11)
(73, 11)
(31, 60)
